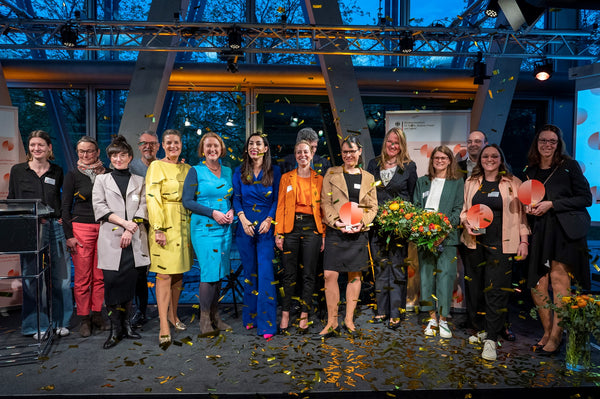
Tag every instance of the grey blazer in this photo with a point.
(107, 198)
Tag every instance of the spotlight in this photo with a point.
(68, 35)
(320, 133)
(492, 9)
(40, 103)
(229, 122)
(406, 42)
(187, 121)
(479, 70)
(543, 70)
(199, 132)
(235, 38)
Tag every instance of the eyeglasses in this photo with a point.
(149, 143)
(86, 152)
(349, 152)
(548, 141)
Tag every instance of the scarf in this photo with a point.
(91, 170)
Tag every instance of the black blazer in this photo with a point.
(569, 191)
(402, 184)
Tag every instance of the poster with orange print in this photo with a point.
(11, 152)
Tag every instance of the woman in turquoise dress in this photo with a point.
(207, 193)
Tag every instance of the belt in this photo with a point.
(302, 216)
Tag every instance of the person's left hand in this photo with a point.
(523, 251)
(265, 226)
(541, 208)
(126, 239)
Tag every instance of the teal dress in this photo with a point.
(204, 192)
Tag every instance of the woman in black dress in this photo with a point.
(346, 246)
(560, 223)
(119, 200)
(398, 176)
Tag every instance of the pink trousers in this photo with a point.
(88, 279)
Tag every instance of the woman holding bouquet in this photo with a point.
(441, 190)
(346, 245)
(398, 176)
(488, 263)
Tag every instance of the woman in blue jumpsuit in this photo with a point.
(207, 194)
(255, 188)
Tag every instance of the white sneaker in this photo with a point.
(62, 331)
(431, 327)
(42, 334)
(489, 350)
(478, 338)
(445, 330)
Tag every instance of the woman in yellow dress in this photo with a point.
(170, 248)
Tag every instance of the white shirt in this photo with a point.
(387, 174)
(435, 194)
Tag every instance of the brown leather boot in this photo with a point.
(85, 329)
(216, 319)
(98, 322)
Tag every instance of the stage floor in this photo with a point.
(379, 363)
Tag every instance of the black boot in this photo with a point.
(128, 330)
(116, 328)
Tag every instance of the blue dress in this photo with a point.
(204, 192)
(260, 297)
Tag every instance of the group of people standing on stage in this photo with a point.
(116, 214)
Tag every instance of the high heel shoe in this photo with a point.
(556, 351)
(164, 341)
(332, 332)
(179, 325)
(379, 319)
(351, 333)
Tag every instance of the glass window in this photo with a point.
(109, 111)
(53, 111)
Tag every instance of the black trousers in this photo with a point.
(489, 274)
(473, 293)
(390, 274)
(303, 242)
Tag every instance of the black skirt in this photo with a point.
(346, 252)
(119, 285)
(550, 243)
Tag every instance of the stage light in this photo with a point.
(229, 122)
(40, 103)
(406, 42)
(235, 38)
(199, 132)
(187, 122)
(543, 70)
(68, 35)
(492, 9)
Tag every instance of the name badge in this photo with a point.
(425, 194)
(289, 188)
(357, 186)
(135, 198)
(494, 194)
(49, 180)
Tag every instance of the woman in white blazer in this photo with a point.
(119, 200)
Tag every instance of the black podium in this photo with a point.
(21, 232)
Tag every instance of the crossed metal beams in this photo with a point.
(43, 34)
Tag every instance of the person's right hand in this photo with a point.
(279, 242)
(160, 237)
(246, 225)
(469, 229)
(130, 226)
(220, 217)
(72, 245)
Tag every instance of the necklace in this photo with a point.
(213, 169)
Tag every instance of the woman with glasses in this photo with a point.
(81, 230)
(398, 176)
(488, 260)
(119, 200)
(560, 223)
(346, 244)
(40, 179)
(170, 245)
(255, 190)
(441, 190)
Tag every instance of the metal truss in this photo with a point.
(436, 41)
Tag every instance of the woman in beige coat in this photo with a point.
(119, 200)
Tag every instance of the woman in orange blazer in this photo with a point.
(299, 230)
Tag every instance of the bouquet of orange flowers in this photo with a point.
(580, 315)
(401, 219)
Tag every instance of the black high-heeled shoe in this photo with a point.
(351, 333)
(332, 332)
(379, 319)
(556, 351)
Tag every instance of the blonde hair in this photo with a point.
(203, 139)
(402, 157)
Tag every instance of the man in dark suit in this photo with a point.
(319, 163)
(475, 143)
